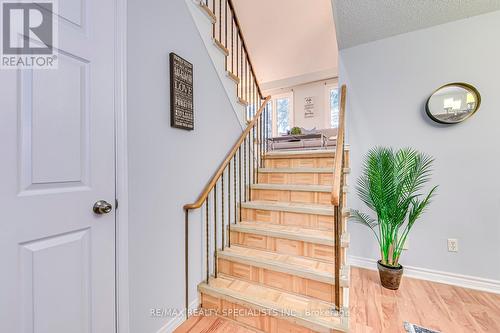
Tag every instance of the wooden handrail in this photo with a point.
(204, 194)
(339, 151)
(237, 22)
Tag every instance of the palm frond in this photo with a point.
(365, 219)
(391, 185)
(418, 207)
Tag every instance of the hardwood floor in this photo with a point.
(433, 305)
(373, 309)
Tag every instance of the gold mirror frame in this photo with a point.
(463, 85)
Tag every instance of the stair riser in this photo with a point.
(292, 196)
(279, 280)
(283, 246)
(288, 218)
(319, 162)
(296, 178)
(247, 316)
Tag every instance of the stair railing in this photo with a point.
(221, 198)
(338, 196)
(228, 36)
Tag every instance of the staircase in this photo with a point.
(221, 32)
(274, 222)
(275, 235)
(279, 256)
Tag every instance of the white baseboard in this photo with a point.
(175, 322)
(465, 281)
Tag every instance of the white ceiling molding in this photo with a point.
(362, 21)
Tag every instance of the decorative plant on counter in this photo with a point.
(295, 131)
(391, 185)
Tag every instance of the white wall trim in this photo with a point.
(175, 322)
(328, 115)
(291, 113)
(465, 281)
(121, 171)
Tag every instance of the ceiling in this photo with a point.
(362, 21)
(289, 39)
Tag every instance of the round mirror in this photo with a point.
(453, 103)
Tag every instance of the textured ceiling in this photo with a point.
(362, 21)
(288, 38)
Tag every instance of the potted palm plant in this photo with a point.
(391, 185)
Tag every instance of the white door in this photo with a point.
(57, 257)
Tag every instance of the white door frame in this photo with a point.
(328, 112)
(121, 171)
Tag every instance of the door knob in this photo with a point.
(102, 207)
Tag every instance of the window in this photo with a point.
(334, 106)
(282, 110)
(281, 113)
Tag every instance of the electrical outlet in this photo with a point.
(452, 245)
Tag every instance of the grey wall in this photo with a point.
(168, 167)
(388, 83)
(318, 91)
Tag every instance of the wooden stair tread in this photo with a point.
(300, 170)
(295, 187)
(292, 187)
(243, 101)
(315, 236)
(300, 153)
(294, 207)
(296, 170)
(306, 311)
(208, 12)
(233, 77)
(309, 268)
(220, 46)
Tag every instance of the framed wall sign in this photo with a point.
(181, 93)
(309, 107)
